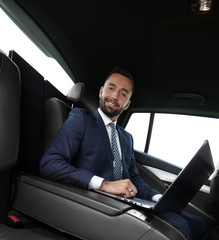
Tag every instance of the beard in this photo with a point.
(109, 111)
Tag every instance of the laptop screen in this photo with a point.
(188, 182)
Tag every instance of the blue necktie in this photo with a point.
(117, 165)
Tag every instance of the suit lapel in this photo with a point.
(122, 145)
(104, 135)
(106, 142)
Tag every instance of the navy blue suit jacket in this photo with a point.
(81, 149)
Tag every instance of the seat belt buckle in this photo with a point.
(14, 221)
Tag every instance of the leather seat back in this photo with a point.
(9, 127)
(56, 111)
(9, 112)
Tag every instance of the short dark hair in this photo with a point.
(123, 71)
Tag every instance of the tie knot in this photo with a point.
(112, 125)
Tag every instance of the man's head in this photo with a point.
(116, 93)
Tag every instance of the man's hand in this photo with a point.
(122, 187)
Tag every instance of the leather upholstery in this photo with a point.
(9, 127)
(56, 112)
(82, 97)
(9, 112)
(76, 93)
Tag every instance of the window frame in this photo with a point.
(151, 126)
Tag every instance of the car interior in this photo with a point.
(171, 47)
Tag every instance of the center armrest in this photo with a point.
(85, 197)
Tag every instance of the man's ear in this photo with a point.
(100, 92)
(127, 105)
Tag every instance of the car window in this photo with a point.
(12, 38)
(138, 126)
(175, 138)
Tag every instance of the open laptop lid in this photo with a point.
(188, 182)
(183, 189)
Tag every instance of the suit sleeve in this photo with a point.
(56, 162)
(144, 190)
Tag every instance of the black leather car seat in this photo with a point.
(9, 126)
(56, 111)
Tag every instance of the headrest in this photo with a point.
(84, 97)
(76, 93)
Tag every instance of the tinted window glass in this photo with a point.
(175, 138)
(12, 38)
(138, 127)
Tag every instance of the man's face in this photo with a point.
(115, 95)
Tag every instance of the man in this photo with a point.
(81, 153)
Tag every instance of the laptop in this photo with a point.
(183, 189)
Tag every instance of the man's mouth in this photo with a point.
(112, 103)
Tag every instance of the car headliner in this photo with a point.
(171, 52)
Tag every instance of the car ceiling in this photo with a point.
(171, 52)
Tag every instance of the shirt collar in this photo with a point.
(105, 118)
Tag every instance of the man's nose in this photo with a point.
(115, 95)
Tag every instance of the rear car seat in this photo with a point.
(73, 210)
(9, 126)
(56, 111)
(10, 93)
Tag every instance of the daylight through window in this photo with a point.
(12, 38)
